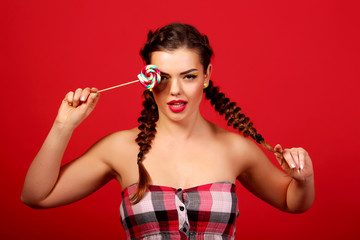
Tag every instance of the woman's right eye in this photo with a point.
(163, 78)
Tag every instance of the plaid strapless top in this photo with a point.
(207, 211)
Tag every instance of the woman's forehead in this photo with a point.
(176, 61)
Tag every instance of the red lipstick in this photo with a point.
(177, 105)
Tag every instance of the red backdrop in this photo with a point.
(293, 66)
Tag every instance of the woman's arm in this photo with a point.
(301, 190)
(291, 190)
(46, 185)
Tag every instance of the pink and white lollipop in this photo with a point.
(149, 77)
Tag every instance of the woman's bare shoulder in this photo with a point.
(116, 145)
(240, 147)
(122, 140)
(231, 139)
(122, 136)
(118, 150)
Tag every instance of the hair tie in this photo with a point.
(139, 157)
(258, 138)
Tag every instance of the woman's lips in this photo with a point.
(177, 105)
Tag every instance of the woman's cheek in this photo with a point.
(197, 92)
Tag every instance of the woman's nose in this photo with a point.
(175, 87)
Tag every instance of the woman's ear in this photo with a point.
(208, 73)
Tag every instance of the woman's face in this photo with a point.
(180, 91)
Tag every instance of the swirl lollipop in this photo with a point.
(149, 77)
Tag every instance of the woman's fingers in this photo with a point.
(94, 99)
(302, 159)
(69, 98)
(279, 154)
(298, 163)
(76, 99)
(278, 148)
(94, 90)
(289, 159)
(84, 95)
(89, 105)
(295, 157)
(80, 96)
(76, 106)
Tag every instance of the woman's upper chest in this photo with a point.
(189, 164)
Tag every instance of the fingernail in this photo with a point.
(292, 165)
(298, 171)
(82, 98)
(301, 166)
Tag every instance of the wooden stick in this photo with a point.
(124, 84)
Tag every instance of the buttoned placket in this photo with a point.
(182, 212)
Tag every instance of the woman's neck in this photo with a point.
(182, 129)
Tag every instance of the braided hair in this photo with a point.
(172, 37)
(147, 127)
(234, 117)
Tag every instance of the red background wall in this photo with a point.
(293, 66)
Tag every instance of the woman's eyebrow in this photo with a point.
(162, 73)
(183, 73)
(188, 71)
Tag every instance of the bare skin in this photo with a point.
(187, 151)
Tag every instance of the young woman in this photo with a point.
(177, 170)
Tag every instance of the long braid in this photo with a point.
(234, 117)
(147, 127)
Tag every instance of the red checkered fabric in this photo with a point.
(207, 211)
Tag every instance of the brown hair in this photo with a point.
(171, 37)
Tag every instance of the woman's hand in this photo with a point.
(77, 106)
(296, 163)
(47, 184)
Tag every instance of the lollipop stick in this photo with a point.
(124, 84)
